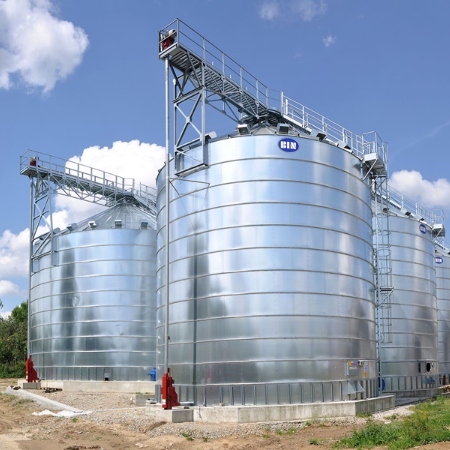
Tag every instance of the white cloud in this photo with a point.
(269, 10)
(305, 10)
(308, 9)
(36, 45)
(131, 160)
(329, 40)
(430, 195)
(8, 288)
(14, 251)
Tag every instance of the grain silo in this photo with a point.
(409, 344)
(92, 311)
(443, 306)
(264, 238)
(271, 275)
(92, 284)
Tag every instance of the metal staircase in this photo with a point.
(203, 76)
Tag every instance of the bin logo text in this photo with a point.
(288, 145)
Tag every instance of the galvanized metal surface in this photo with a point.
(411, 347)
(92, 314)
(443, 305)
(271, 266)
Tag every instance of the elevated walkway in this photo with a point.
(86, 183)
(203, 74)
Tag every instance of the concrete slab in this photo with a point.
(272, 413)
(422, 393)
(45, 402)
(27, 385)
(176, 415)
(142, 399)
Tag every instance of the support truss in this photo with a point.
(50, 175)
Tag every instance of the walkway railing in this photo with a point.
(234, 84)
(72, 177)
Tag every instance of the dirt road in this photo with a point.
(116, 424)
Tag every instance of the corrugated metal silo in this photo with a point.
(443, 305)
(409, 347)
(271, 288)
(92, 304)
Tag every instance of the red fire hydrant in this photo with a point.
(169, 397)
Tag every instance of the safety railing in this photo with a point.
(88, 178)
(313, 122)
(182, 35)
(220, 61)
(402, 204)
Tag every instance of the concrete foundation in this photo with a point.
(26, 385)
(270, 413)
(421, 393)
(176, 415)
(142, 399)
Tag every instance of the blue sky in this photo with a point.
(82, 78)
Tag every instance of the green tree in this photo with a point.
(13, 342)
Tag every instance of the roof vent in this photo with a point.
(118, 223)
(283, 128)
(243, 129)
(93, 224)
(319, 133)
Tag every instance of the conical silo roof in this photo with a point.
(124, 215)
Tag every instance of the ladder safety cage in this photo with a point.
(205, 75)
(377, 171)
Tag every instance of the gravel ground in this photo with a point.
(114, 409)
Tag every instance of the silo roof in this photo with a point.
(125, 215)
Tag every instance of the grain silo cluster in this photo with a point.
(272, 265)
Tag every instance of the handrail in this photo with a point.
(32, 163)
(409, 207)
(184, 37)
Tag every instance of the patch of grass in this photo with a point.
(364, 415)
(266, 436)
(288, 432)
(429, 423)
(393, 417)
(75, 419)
(187, 436)
(313, 442)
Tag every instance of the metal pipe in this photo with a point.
(167, 217)
(30, 268)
